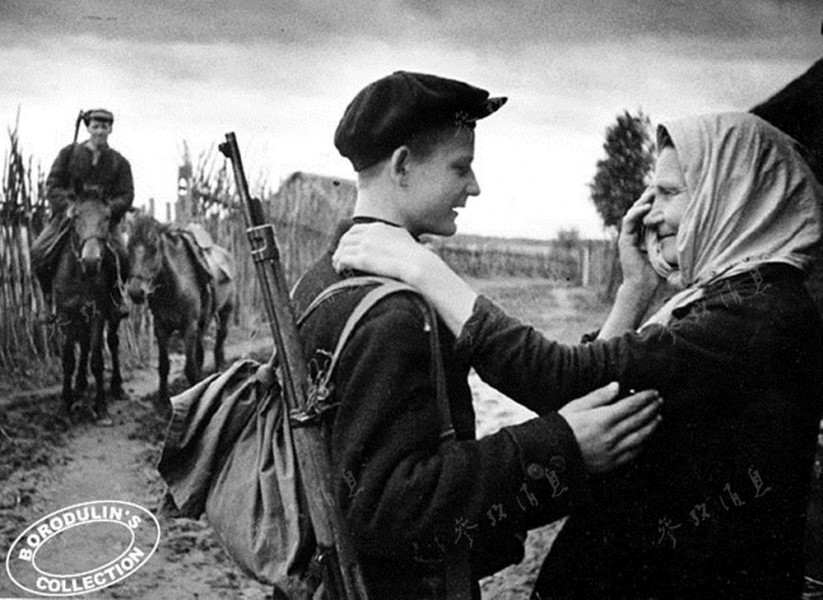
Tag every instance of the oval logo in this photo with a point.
(83, 548)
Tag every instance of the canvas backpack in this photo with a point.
(228, 454)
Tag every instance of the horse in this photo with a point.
(85, 274)
(183, 292)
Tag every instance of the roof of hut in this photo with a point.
(317, 202)
(796, 109)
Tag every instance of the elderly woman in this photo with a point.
(715, 505)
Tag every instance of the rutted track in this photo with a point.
(47, 464)
(55, 465)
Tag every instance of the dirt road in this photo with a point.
(67, 465)
(46, 465)
(112, 463)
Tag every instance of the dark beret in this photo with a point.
(98, 114)
(386, 113)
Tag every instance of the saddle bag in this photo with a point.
(228, 453)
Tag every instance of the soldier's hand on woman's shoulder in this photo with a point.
(612, 433)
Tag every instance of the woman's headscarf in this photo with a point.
(753, 200)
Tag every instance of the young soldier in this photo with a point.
(91, 167)
(430, 514)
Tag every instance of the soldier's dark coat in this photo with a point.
(407, 497)
(714, 506)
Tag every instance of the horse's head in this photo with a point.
(91, 217)
(145, 257)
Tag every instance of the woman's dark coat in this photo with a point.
(715, 505)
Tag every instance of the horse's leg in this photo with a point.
(82, 337)
(162, 335)
(68, 369)
(222, 331)
(219, 340)
(98, 368)
(81, 377)
(192, 337)
(113, 342)
(200, 351)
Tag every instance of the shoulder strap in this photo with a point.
(369, 300)
(457, 567)
(341, 286)
(385, 287)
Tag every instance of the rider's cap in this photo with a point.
(98, 114)
(387, 112)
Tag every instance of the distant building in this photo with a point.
(305, 212)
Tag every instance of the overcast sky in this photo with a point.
(280, 73)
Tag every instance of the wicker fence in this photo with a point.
(583, 263)
(305, 211)
(24, 336)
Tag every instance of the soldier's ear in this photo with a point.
(399, 165)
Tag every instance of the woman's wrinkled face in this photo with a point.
(670, 201)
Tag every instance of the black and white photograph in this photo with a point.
(408, 299)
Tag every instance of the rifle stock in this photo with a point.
(343, 577)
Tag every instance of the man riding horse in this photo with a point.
(89, 168)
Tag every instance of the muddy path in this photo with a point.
(49, 464)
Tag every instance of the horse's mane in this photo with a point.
(146, 228)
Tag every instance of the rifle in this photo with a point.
(59, 201)
(342, 575)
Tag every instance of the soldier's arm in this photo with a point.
(58, 188)
(123, 197)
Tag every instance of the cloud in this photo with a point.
(281, 73)
(494, 25)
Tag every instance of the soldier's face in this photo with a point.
(439, 185)
(98, 132)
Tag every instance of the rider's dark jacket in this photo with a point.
(74, 169)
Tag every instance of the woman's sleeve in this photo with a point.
(544, 375)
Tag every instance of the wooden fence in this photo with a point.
(23, 334)
(581, 263)
(305, 211)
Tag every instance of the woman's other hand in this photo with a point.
(640, 281)
(637, 271)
